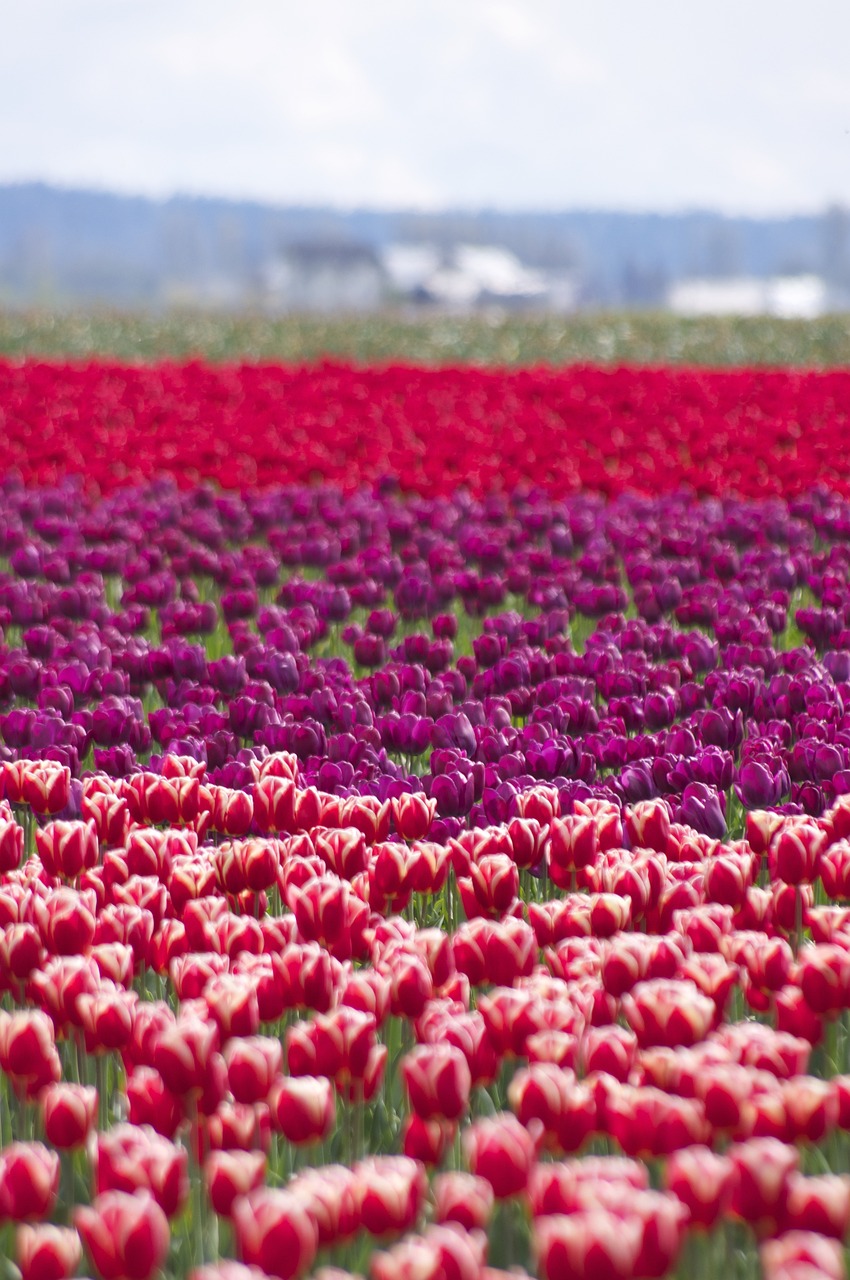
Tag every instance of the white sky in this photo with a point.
(742, 105)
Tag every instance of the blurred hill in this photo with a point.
(76, 248)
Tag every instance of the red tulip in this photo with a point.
(106, 1018)
(275, 1232)
(495, 883)
(233, 811)
(11, 846)
(426, 1140)
(573, 843)
(302, 1108)
(611, 1050)
(440, 1251)
(233, 1126)
(413, 813)
(802, 1255)
(182, 1054)
(149, 1102)
(410, 1259)
(110, 815)
(796, 849)
(368, 815)
(67, 848)
(703, 1181)
(29, 1181)
(66, 922)
(330, 1194)
(648, 825)
(462, 1198)
(47, 1252)
(233, 1005)
(68, 1112)
(391, 1191)
(565, 1186)
(551, 1095)
(820, 1204)
(671, 1013)
(130, 1158)
(45, 786)
(27, 1042)
(438, 1080)
(252, 1064)
(594, 1244)
(501, 1150)
(229, 1174)
(763, 1167)
(331, 1044)
(126, 1236)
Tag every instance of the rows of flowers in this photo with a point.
(425, 886)
(751, 432)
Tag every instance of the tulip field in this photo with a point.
(424, 821)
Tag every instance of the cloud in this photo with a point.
(520, 103)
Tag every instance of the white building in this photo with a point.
(802, 297)
(325, 277)
(470, 275)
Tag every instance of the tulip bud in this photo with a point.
(802, 1255)
(47, 1252)
(501, 1150)
(275, 1232)
(68, 1112)
(463, 1198)
(703, 1181)
(124, 1235)
(228, 1174)
(438, 1080)
(302, 1108)
(29, 1181)
(413, 813)
(591, 1244)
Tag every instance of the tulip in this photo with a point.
(252, 1064)
(302, 1108)
(275, 1232)
(703, 1181)
(67, 848)
(29, 1181)
(229, 1174)
(501, 1150)
(330, 1194)
(438, 1080)
(11, 846)
(594, 1244)
(564, 1186)
(130, 1158)
(763, 1167)
(797, 1255)
(412, 814)
(426, 1140)
(462, 1198)
(66, 922)
(68, 1112)
(47, 1252)
(671, 1013)
(820, 1204)
(126, 1236)
(182, 1054)
(391, 1192)
(26, 1042)
(46, 787)
(795, 851)
(149, 1102)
